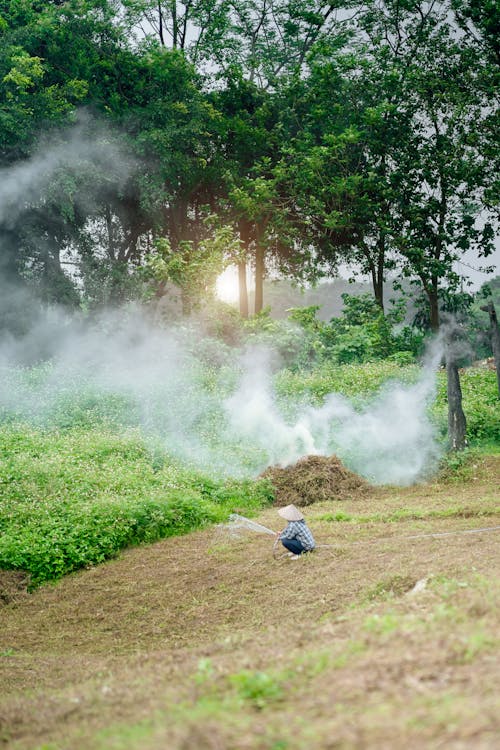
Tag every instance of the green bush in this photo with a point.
(363, 333)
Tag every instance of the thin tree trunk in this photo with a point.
(433, 296)
(160, 24)
(456, 418)
(243, 291)
(111, 234)
(495, 338)
(174, 24)
(377, 268)
(259, 277)
(245, 238)
(378, 287)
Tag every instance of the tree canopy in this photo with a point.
(281, 136)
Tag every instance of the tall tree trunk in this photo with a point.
(245, 238)
(243, 291)
(377, 268)
(433, 295)
(160, 24)
(378, 287)
(456, 418)
(111, 233)
(259, 277)
(495, 338)
(378, 282)
(174, 24)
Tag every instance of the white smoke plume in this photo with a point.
(88, 143)
(391, 440)
(226, 421)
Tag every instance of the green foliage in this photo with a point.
(258, 688)
(294, 347)
(194, 268)
(76, 498)
(362, 334)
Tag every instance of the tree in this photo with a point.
(265, 45)
(98, 204)
(494, 336)
(445, 166)
(405, 181)
(480, 20)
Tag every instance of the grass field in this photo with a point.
(206, 641)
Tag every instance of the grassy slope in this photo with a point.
(205, 642)
(75, 498)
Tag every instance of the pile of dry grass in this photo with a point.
(313, 479)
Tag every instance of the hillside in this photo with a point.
(206, 641)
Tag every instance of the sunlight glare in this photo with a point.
(227, 285)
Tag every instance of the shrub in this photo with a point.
(362, 334)
(76, 498)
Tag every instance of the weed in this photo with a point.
(339, 517)
(258, 688)
(458, 466)
(205, 671)
(413, 514)
(382, 624)
(77, 498)
(473, 644)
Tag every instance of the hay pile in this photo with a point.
(313, 479)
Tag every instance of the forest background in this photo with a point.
(146, 144)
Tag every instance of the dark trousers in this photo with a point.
(294, 546)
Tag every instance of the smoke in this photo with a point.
(43, 199)
(227, 421)
(88, 147)
(390, 440)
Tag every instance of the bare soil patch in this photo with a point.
(13, 585)
(314, 479)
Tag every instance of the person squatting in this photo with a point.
(296, 537)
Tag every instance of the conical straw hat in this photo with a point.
(291, 513)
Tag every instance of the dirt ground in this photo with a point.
(386, 638)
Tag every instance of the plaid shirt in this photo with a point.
(299, 530)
